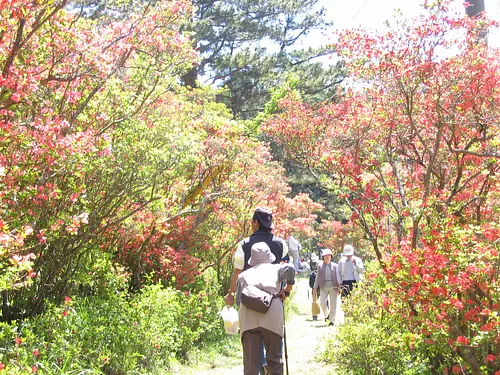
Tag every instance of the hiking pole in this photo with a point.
(284, 339)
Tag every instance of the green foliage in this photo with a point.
(13, 274)
(113, 334)
(222, 354)
(369, 348)
(272, 106)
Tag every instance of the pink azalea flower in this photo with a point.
(491, 358)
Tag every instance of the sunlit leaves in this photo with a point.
(63, 80)
(412, 150)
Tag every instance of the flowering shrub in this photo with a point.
(412, 150)
(371, 336)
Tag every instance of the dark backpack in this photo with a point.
(312, 278)
(257, 299)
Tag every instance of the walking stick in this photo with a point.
(284, 339)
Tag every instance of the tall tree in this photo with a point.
(249, 47)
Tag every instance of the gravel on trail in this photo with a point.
(306, 338)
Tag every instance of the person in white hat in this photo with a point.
(329, 288)
(257, 327)
(350, 270)
(262, 226)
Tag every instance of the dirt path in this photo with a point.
(305, 339)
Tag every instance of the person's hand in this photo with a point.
(315, 292)
(284, 294)
(229, 299)
(339, 290)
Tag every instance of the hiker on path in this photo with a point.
(294, 247)
(262, 225)
(315, 308)
(328, 284)
(350, 270)
(257, 327)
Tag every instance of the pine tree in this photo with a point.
(249, 47)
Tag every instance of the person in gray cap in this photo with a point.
(329, 287)
(258, 327)
(350, 270)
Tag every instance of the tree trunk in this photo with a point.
(190, 79)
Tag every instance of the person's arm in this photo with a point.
(229, 297)
(339, 288)
(239, 265)
(286, 273)
(316, 284)
(359, 265)
(316, 280)
(339, 274)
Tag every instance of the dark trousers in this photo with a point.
(347, 286)
(252, 351)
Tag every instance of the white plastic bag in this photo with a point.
(231, 319)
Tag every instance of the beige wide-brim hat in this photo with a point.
(326, 252)
(261, 253)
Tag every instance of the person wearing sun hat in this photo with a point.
(349, 271)
(268, 327)
(328, 284)
(262, 226)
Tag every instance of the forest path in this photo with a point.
(305, 341)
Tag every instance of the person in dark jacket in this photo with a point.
(262, 226)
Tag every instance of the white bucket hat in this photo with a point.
(261, 253)
(326, 252)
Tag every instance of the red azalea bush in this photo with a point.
(104, 158)
(412, 150)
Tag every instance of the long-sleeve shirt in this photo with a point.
(327, 276)
(294, 244)
(349, 270)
